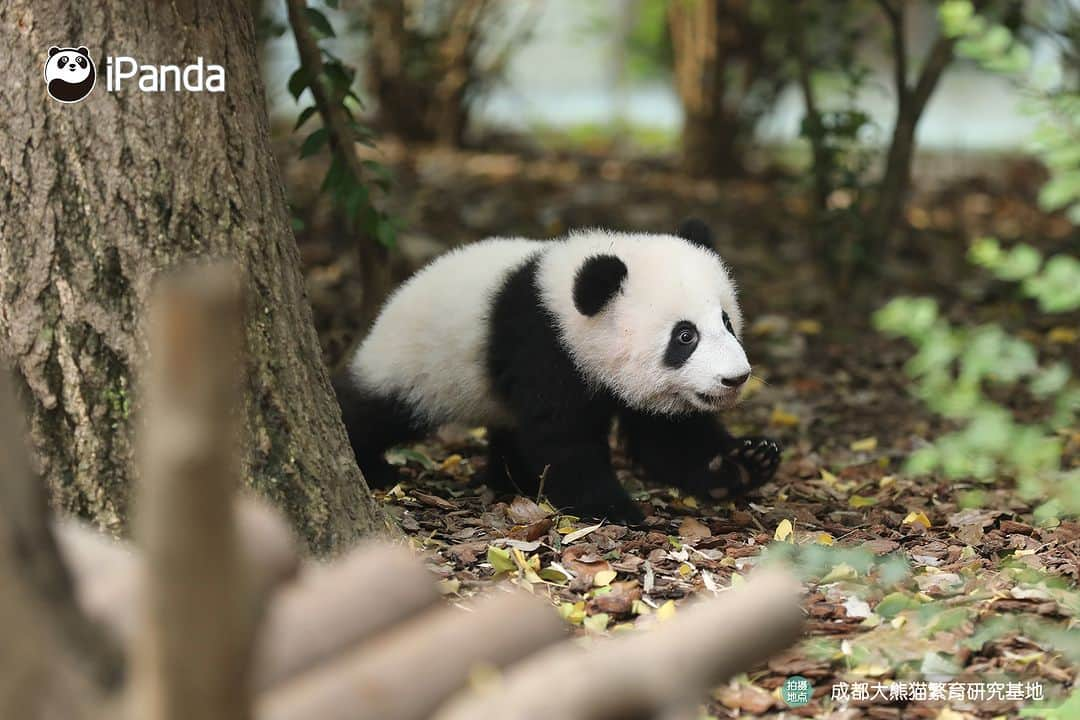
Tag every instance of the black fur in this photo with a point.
(678, 352)
(375, 424)
(562, 422)
(696, 232)
(596, 282)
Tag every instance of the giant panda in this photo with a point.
(546, 343)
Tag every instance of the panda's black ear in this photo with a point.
(696, 232)
(82, 51)
(596, 282)
(53, 50)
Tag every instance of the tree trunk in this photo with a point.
(703, 46)
(104, 194)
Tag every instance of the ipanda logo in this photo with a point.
(70, 75)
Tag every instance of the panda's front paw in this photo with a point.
(750, 463)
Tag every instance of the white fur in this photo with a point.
(429, 344)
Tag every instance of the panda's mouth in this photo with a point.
(714, 401)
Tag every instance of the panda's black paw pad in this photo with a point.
(757, 459)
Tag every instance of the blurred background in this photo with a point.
(533, 117)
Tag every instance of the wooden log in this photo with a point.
(191, 652)
(408, 670)
(646, 674)
(107, 572)
(333, 607)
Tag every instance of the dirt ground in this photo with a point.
(828, 387)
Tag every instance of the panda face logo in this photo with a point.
(69, 74)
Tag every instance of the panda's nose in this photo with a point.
(71, 66)
(735, 381)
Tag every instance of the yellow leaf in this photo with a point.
(858, 501)
(597, 622)
(868, 444)
(898, 622)
(666, 611)
(639, 608)
(603, 578)
(449, 586)
(808, 327)
(783, 418)
(478, 433)
(451, 462)
(917, 518)
(843, 571)
(1062, 335)
(685, 570)
(825, 539)
(690, 502)
(829, 478)
(784, 531)
(886, 481)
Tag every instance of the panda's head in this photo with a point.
(653, 318)
(69, 73)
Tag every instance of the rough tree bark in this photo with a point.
(100, 196)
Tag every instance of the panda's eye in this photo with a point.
(81, 61)
(687, 336)
(62, 60)
(727, 323)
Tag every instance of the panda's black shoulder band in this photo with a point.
(596, 282)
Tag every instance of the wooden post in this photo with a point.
(191, 651)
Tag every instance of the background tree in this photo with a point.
(101, 196)
(429, 61)
(723, 64)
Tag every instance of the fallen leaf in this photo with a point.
(604, 577)
(693, 529)
(578, 534)
(917, 518)
(784, 531)
(523, 511)
(868, 444)
(859, 501)
(597, 622)
(666, 611)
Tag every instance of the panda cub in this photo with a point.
(548, 342)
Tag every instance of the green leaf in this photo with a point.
(319, 23)
(500, 559)
(304, 115)
(298, 82)
(895, 603)
(314, 142)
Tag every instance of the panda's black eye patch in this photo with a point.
(727, 323)
(681, 345)
(62, 60)
(81, 61)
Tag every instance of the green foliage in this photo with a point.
(960, 370)
(352, 196)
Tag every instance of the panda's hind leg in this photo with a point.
(375, 422)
